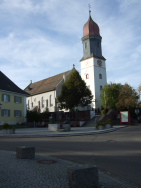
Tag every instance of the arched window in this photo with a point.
(87, 76)
(47, 103)
(51, 102)
(42, 102)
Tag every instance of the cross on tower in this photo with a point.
(89, 9)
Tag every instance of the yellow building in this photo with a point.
(12, 102)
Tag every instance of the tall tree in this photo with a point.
(109, 95)
(74, 92)
(128, 98)
(117, 96)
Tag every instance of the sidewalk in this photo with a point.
(25, 173)
(44, 132)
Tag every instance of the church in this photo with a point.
(44, 93)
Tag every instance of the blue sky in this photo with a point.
(39, 39)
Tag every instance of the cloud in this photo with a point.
(43, 38)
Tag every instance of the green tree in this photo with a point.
(33, 116)
(128, 98)
(74, 92)
(109, 95)
(117, 96)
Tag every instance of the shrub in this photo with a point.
(100, 122)
(104, 111)
(5, 126)
(109, 121)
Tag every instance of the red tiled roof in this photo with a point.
(42, 86)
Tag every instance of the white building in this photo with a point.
(44, 93)
(93, 65)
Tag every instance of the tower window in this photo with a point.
(100, 76)
(98, 44)
(87, 76)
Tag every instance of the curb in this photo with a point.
(65, 134)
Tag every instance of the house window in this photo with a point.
(51, 103)
(87, 76)
(5, 112)
(100, 76)
(17, 99)
(100, 88)
(17, 113)
(6, 98)
(32, 104)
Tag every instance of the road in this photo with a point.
(117, 153)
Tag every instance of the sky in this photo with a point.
(39, 39)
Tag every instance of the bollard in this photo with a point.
(83, 176)
(24, 152)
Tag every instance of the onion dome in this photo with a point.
(91, 28)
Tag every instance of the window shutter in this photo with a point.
(8, 98)
(9, 113)
(14, 99)
(20, 113)
(2, 97)
(2, 112)
(20, 99)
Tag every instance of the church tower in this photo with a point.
(93, 65)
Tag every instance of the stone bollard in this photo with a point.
(83, 176)
(24, 152)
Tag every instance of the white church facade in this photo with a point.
(44, 93)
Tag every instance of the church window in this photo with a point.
(28, 106)
(32, 104)
(100, 76)
(42, 102)
(47, 103)
(51, 103)
(87, 76)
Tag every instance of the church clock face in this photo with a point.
(87, 63)
(99, 62)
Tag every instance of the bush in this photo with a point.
(104, 111)
(5, 126)
(109, 121)
(100, 122)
